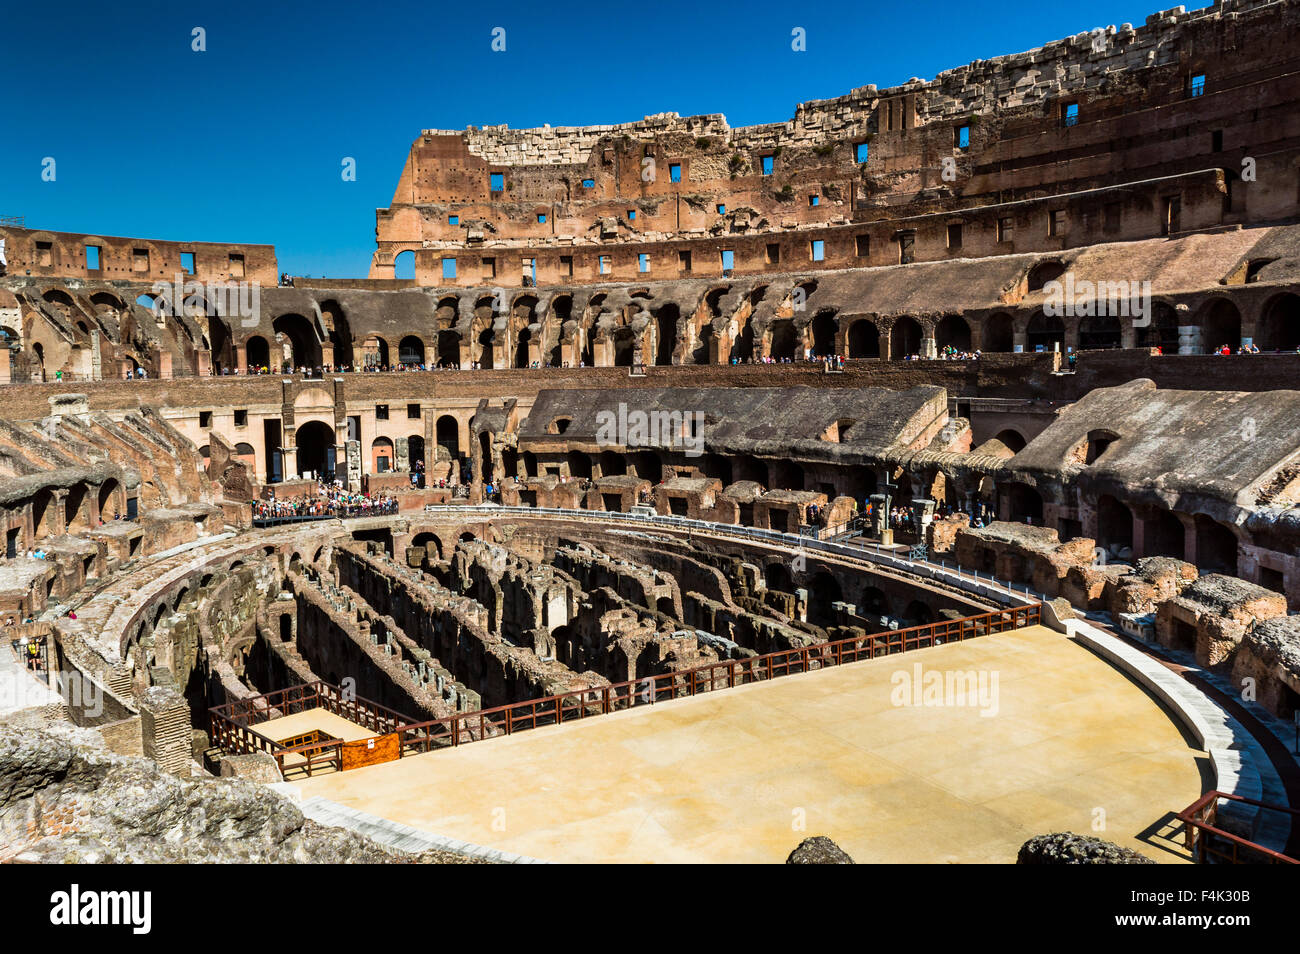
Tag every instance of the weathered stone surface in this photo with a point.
(59, 803)
(1067, 848)
(818, 850)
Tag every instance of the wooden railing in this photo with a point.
(1207, 842)
(232, 723)
(580, 703)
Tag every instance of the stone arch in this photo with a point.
(1162, 331)
(257, 353)
(1279, 324)
(952, 331)
(784, 339)
(410, 351)
(824, 330)
(314, 441)
(904, 337)
(777, 577)
(1024, 504)
(864, 339)
(1114, 524)
(374, 352)
(1042, 273)
(1165, 535)
(665, 325)
(1216, 546)
(304, 343)
(1220, 325)
(1099, 332)
(999, 334)
(1045, 331)
(1012, 438)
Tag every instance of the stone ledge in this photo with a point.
(399, 836)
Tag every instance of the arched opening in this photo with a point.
(448, 349)
(873, 602)
(648, 466)
(429, 543)
(223, 349)
(1013, 439)
(1045, 333)
(824, 328)
(485, 357)
(43, 513)
(784, 339)
(1042, 273)
(702, 350)
(1279, 328)
(666, 333)
(1216, 546)
(751, 469)
(1162, 332)
(521, 348)
(624, 346)
(777, 577)
(448, 435)
(485, 456)
(918, 614)
(1165, 536)
(612, 464)
(404, 265)
(304, 345)
(579, 464)
(864, 339)
(952, 332)
(374, 352)
(822, 592)
(742, 346)
(340, 332)
(415, 453)
(904, 337)
(257, 353)
(315, 443)
(999, 334)
(718, 467)
(1024, 504)
(410, 351)
(74, 508)
(1114, 524)
(1099, 332)
(107, 493)
(381, 455)
(1221, 327)
(787, 475)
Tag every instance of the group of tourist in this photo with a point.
(330, 500)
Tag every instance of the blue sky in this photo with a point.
(244, 142)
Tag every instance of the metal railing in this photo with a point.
(231, 724)
(1207, 842)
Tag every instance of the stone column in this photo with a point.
(165, 729)
(60, 511)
